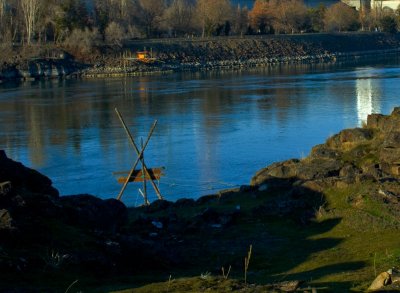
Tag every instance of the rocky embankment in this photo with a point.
(206, 54)
(44, 236)
(250, 51)
(62, 66)
(352, 156)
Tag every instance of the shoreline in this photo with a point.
(248, 64)
(208, 54)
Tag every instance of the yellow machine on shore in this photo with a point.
(140, 56)
(145, 57)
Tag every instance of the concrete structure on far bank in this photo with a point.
(369, 4)
(373, 4)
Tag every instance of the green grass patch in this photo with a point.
(342, 249)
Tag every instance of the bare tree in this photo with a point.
(286, 16)
(211, 14)
(341, 17)
(261, 17)
(377, 8)
(366, 19)
(118, 10)
(316, 15)
(30, 10)
(179, 16)
(2, 8)
(2, 18)
(149, 13)
(241, 20)
(290, 16)
(10, 21)
(123, 8)
(114, 34)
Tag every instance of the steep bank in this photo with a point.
(330, 220)
(266, 46)
(204, 54)
(249, 51)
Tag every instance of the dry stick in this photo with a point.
(144, 177)
(70, 286)
(169, 282)
(137, 151)
(139, 154)
(227, 274)
(246, 263)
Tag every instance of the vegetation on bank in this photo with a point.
(52, 38)
(79, 26)
(203, 54)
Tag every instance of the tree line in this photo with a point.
(88, 22)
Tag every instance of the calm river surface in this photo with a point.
(215, 129)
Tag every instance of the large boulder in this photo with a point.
(283, 170)
(322, 151)
(377, 121)
(24, 178)
(6, 221)
(93, 213)
(27, 198)
(396, 112)
(292, 170)
(389, 155)
(319, 169)
(349, 136)
(385, 123)
(392, 139)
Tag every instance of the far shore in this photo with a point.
(179, 55)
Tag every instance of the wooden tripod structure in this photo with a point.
(145, 173)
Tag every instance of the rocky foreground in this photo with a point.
(199, 54)
(329, 221)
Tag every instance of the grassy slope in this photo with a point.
(350, 241)
(353, 237)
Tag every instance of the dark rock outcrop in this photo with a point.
(24, 178)
(352, 155)
(93, 213)
(356, 135)
(51, 232)
(32, 196)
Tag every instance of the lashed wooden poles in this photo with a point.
(144, 176)
(136, 162)
(140, 154)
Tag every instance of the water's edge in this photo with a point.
(213, 54)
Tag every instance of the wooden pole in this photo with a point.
(138, 152)
(144, 177)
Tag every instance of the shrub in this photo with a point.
(341, 17)
(114, 34)
(388, 24)
(83, 41)
(134, 32)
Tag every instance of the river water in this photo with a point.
(215, 129)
